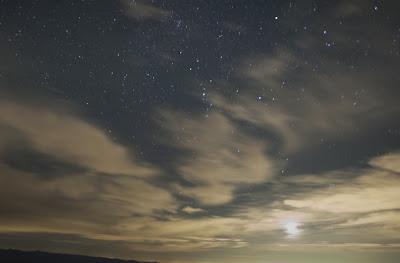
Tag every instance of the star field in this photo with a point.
(201, 131)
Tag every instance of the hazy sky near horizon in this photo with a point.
(201, 131)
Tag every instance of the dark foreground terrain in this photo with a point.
(18, 256)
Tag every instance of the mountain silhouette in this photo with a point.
(18, 256)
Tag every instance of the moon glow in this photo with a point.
(291, 228)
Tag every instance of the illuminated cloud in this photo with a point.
(216, 185)
(191, 210)
(179, 234)
(387, 162)
(368, 197)
(112, 204)
(225, 157)
(67, 138)
(372, 190)
(112, 200)
(74, 180)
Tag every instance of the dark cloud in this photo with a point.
(43, 165)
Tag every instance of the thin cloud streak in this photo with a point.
(144, 10)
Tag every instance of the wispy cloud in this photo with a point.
(370, 190)
(143, 10)
(119, 204)
(110, 184)
(192, 210)
(225, 158)
(300, 115)
(67, 138)
(368, 197)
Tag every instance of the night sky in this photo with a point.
(201, 131)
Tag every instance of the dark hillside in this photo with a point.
(18, 256)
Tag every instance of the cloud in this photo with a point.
(112, 204)
(211, 193)
(76, 180)
(91, 184)
(85, 204)
(191, 210)
(225, 157)
(108, 197)
(351, 8)
(387, 220)
(327, 108)
(388, 161)
(66, 138)
(144, 10)
(271, 219)
(372, 191)
(324, 246)
(309, 91)
(234, 27)
(369, 196)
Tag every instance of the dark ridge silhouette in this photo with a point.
(18, 256)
